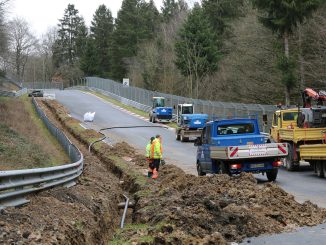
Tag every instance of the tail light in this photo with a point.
(235, 166)
(277, 163)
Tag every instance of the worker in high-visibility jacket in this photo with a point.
(149, 157)
(157, 154)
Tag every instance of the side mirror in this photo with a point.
(174, 107)
(198, 142)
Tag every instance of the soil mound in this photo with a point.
(236, 207)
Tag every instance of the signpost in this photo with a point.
(125, 82)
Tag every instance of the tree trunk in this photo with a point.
(302, 77)
(287, 55)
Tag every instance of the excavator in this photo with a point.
(310, 94)
(304, 129)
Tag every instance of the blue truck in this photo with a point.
(189, 125)
(160, 112)
(233, 146)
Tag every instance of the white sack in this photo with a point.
(89, 116)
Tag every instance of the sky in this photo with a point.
(42, 14)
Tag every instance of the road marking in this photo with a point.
(126, 111)
(83, 126)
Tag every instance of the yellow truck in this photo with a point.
(304, 129)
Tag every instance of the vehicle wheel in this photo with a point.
(323, 165)
(224, 169)
(199, 170)
(152, 119)
(288, 161)
(271, 175)
(319, 169)
(183, 139)
(177, 136)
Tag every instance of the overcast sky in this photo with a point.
(41, 14)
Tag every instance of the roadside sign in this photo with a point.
(125, 82)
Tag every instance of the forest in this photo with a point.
(249, 51)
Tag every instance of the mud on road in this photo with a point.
(176, 209)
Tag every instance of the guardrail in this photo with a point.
(16, 184)
(13, 93)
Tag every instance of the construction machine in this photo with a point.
(160, 112)
(189, 124)
(304, 129)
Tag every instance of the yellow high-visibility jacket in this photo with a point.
(148, 150)
(156, 149)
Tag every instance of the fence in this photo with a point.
(216, 109)
(12, 93)
(16, 184)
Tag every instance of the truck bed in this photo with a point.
(249, 151)
(302, 134)
(313, 152)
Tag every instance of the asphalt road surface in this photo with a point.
(304, 185)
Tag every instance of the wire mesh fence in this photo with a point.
(215, 109)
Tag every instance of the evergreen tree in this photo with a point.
(220, 12)
(72, 33)
(101, 35)
(135, 23)
(282, 16)
(196, 49)
(89, 62)
(171, 8)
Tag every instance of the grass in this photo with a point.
(129, 108)
(25, 141)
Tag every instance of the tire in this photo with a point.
(152, 119)
(224, 169)
(323, 163)
(272, 174)
(199, 170)
(177, 136)
(183, 139)
(319, 169)
(288, 161)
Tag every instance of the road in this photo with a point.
(303, 185)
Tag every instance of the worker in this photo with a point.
(148, 158)
(156, 152)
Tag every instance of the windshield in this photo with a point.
(236, 129)
(290, 116)
(187, 110)
(159, 102)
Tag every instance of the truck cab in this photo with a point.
(159, 112)
(299, 127)
(236, 145)
(189, 125)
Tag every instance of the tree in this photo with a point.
(172, 8)
(135, 24)
(196, 50)
(282, 17)
(221, 12)
(72, 33)
(97, 58)
(22, 43)
(3, 34)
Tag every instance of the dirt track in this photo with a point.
(176, 209)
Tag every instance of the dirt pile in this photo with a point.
(236, 207)
(84, 214)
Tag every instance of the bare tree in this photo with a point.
(21, 44)
(3, 34)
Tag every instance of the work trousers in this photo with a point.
(156, 163)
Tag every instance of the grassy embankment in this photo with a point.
(25, 142)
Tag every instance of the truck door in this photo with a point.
(275, 126)
(207, 162)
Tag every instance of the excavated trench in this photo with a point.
(176, 209)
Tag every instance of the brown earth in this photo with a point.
(175, 209)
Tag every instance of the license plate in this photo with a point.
(257, 165)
